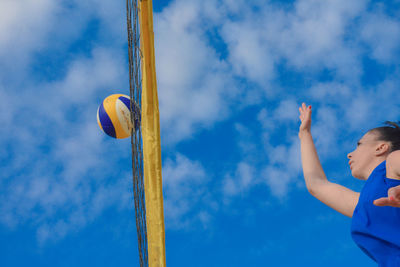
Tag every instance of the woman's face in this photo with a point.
(361, 158)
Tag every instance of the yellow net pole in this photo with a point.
(151, 140)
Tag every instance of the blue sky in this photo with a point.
(231, 75)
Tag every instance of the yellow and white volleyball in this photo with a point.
(113, 116)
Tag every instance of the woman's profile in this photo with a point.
(375, 212)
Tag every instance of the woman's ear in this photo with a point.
(382, 149)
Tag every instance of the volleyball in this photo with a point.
(113, 116)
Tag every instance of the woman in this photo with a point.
(375, 212)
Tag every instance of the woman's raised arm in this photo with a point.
(335, 196)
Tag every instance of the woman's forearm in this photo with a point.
(312, 169)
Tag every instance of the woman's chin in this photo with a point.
(360, 177)
(357, 175)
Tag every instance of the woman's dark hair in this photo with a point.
(389, 133)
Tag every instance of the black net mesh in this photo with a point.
(135, 84)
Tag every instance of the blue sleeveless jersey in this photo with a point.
(376, 230)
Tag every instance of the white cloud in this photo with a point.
(326, 130)
(308, 37)
(283, 168)
(185, 190)
(243, 179)
(278, 180)
(55, 178)
(53, 28)
(386, 92)
(194, 84)
(316, 32)
(359, 110)
(279, 171)
(275, 165)
(349, 108)
(287, 111)
(249, 54)
(21, 32)
(382, 34)
(265, 118)
(7, 109)
(331, 92)
(67, 179)
(311, 37)
(245, 138)
(104, 69)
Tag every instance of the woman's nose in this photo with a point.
(349, 155)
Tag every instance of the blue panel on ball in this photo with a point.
(106, 122)
(126, 101)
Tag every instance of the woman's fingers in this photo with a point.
(302, 115)
(393, 198)
(387, 201)
(305, 116)
(303, 108)
(383, 201)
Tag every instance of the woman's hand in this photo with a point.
(393, 198)
(305, 117)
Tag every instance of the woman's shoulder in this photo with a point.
(393, 165)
